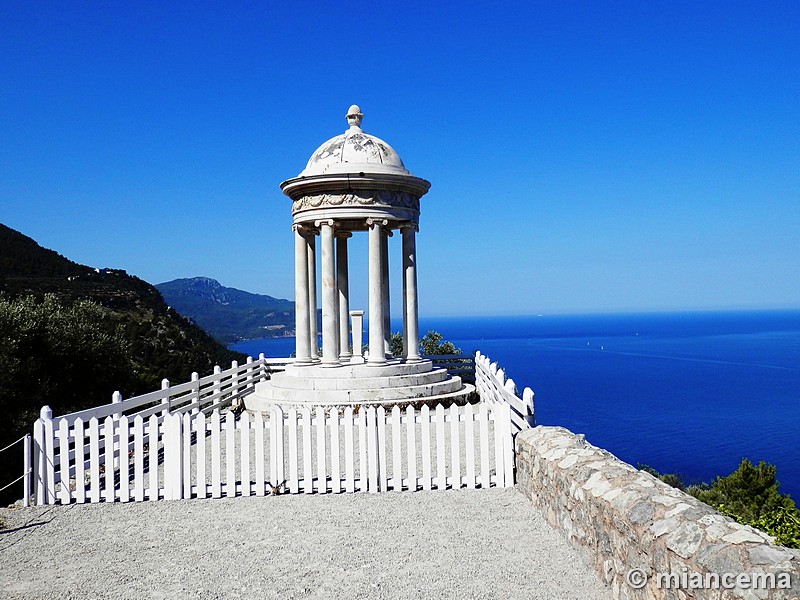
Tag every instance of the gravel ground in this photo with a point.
(442, 544)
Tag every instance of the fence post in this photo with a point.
(216, 387)
(508, 456)
(196, 392)
(510, 387)
(49, 454)
(234, 389)
(165, 399)
(166, 424)
(278, 436)
(26, 464)
(38, 461)
(262, 367)
(527, 397)
(248, 376)
(478, 374)
(116, 398)
(372, 449)
(173, 490)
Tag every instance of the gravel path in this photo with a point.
(452, 544)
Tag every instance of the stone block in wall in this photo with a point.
(625, 521)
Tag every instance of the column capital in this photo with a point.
(322, 222)
(409, 225)
(304, 229)
(343, 233)
(380, 222)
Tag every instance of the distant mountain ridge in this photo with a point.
(229, 314)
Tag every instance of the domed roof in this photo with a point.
(353, 152)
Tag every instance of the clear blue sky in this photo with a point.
(584, 156)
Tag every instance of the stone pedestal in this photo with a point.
(357, 317)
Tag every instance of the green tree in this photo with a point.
(64, 355)
(397, 344)
(750, 492)
(68, 356)
(433, 343)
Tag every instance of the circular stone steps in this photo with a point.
(348, 385)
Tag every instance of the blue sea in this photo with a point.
(687, 393)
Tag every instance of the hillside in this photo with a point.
(70, 335)
(27, 268)
(226, 313)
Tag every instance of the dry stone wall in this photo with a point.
(644, 538)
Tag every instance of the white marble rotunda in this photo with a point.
(354, 183)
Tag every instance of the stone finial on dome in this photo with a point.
(354, 116)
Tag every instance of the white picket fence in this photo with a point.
(51, 459)
(178, 443)
(494, 387)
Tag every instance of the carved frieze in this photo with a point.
(366, 198)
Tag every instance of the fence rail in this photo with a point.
(493, 386)
(215, 390)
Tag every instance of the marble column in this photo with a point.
(387, 324)
(410, 310)
(377, 355)
(302, 326)
(405, 316)
(343, 287)
(330, 311)
(313, 335)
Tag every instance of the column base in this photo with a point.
(377, 361)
